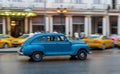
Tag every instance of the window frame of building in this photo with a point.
(16, 0)
(58, 1)
(39, 1)
(78, 1)
(97, 1)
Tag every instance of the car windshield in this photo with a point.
(4, 36)
(70, 38)
(24, 36)
(94, 36)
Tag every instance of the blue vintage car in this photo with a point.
(50, 44)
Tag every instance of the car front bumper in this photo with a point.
(20, 53)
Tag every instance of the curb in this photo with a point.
(9, 50)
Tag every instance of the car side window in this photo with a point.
(51, 38)
(105, 38)
(42, 39)
(61, 38)
(5, 36)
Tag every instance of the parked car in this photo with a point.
(118, 43)
(6, 41)
(115, 38)
(99, 41)
(20, 40)
(50, 44)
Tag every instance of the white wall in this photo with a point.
(52, 4)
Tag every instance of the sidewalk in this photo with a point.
(9, 50)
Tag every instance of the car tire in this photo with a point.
(113, 45)
(82, 55)
(5, 45)
(103, 47)
(37, 56)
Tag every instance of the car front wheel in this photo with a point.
(37, 56)
(82, 55)
(6, 45)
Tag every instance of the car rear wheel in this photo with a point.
(5, 45)
(37, 56)
(103, 47)
(82, 55)
(113, 45)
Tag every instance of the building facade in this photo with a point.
(88, 16)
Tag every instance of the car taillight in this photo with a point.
(112, 39)
(96, 41)
(118, 39)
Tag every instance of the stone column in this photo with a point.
(90, 25)
(106, 26)
(87, 27)
(26, 25)
(8, 25)
(3, 26)
(67, 25)
(118, 26)
(51, 23)
(47, 23)
(31, 29)
(71, 26)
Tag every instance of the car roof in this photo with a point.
(49, 34)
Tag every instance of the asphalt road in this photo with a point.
(99, 62)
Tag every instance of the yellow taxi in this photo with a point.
(20, 40)
(6, 41)
(99, 41)
(118, 43)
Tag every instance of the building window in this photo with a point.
(78, 1)
(58, 1)
(96, 1)
(15, 0)
(39, 1)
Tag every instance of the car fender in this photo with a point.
(77, 47)
(28, 50)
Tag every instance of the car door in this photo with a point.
(1, 43)
(50, 45)
(107, 41)
(57, 45)
(63, 45)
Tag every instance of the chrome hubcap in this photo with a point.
(37, 56)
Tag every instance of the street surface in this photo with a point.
(99, 62)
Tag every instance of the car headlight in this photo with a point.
(21, 40)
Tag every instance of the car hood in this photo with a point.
(17, 39)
